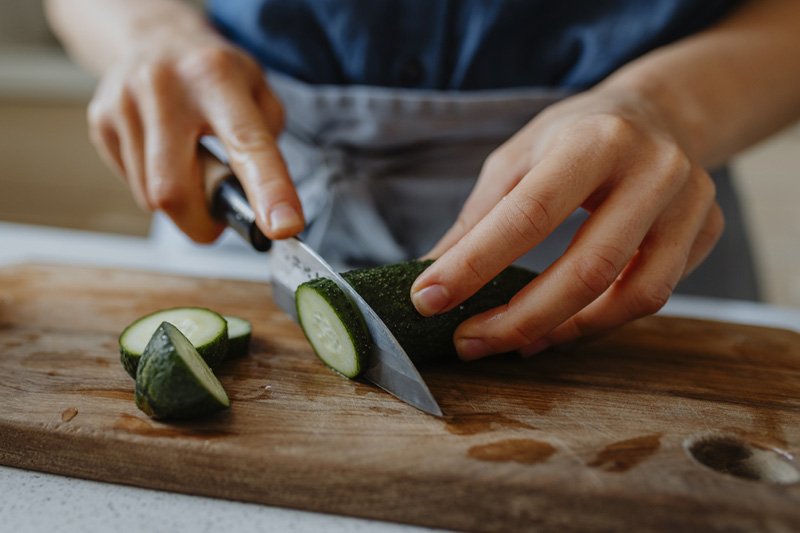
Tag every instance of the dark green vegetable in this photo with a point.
(387, 290)
(206, 329)
(173, 380)
(239, 333)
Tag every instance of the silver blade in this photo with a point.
(293, 263)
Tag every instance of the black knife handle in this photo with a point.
(226, 199)
(229, 204)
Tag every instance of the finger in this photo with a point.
(601, 249)
(522, 219)
(271, 109)
(650, 278)
(254, 157)
(501, 171)
(173, 175)
(102, 131)
(706, 239)
(106, 142)
(128, 126)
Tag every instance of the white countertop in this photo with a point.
(33, 501)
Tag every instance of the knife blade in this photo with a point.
(292, 262)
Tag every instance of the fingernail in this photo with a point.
(431, 299)
(284, 216)
(533, 349)
(469, 349)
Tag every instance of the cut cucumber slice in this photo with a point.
(173, 380)
(333, 325)
(239, 333)
(205, 329)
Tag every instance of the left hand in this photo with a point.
(653, 219)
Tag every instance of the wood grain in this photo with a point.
(593, 438)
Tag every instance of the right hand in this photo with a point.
(150, 110)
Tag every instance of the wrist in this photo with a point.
(147, 34)
(99, 34)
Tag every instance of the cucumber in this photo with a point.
(173, 380)
(387, 290)
(239, 333)
(205, 329)
(333, 325)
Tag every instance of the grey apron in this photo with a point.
(382, 173)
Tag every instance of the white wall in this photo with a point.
(768, 177)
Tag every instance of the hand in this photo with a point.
(653, 219)
(150, 110)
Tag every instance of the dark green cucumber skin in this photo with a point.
(238, 347)
(165, 387)
(387, 290)
(130, 362)
(347, 312)
(213, 353)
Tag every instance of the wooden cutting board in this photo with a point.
(606, 435)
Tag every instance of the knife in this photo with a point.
(292, 262)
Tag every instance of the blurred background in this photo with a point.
(51, 175)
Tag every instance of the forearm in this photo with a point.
(97, 33)
(728, 87)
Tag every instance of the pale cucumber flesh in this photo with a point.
(327, 333)
(201, 326)
(199, 368)
(237, 327)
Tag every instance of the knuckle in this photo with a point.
(522, 336)
(462, 223)
(496, 162)
(674, 162)
(706, 188)
(713, 227)
(211, 63)
(510, 334)
(248, 137)
(649, 298)
(475, 271)
(578, 326)
(96, 114)
(275, 189)
(672, 169)
(598, 269)
(526, 218)
(165, 194)
(614, 129)
(107, 105)
(154, 75)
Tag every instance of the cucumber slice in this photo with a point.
(204, 328)
(173, 380)
(333, 325)
(239, 333)
(387, 290)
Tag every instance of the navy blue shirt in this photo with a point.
(457, 44)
